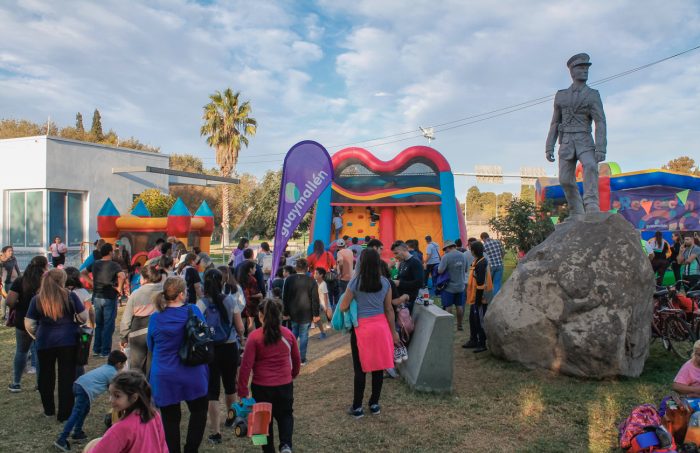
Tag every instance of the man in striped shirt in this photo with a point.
(494, 251)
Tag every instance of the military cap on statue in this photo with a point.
(579, 59)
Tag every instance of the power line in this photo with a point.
(527, 104)
(480, 116)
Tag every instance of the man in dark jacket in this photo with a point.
(299, 304)
(410, 278)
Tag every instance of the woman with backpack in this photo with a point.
(138, 311)
(19, 296)
(223, 315)
(272, 355)
(51, 320)
(172, 381)
(373, 341)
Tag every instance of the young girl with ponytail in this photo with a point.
(272, 354)
(139, 427)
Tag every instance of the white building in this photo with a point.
(55, 187)
(52, 186)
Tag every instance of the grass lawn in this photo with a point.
(496, 406)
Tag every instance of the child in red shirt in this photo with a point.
(139, 428)
(272, 354)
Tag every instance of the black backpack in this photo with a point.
(197, 347)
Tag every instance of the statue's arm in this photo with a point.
(598, 115)
(553, 128)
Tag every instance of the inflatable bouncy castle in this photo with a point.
(138, 231)
(651, 200)
(409, 197)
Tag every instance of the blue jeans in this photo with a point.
(81, 408)
(105, 316)
(496, 276)
(24, 344)
(301, 331)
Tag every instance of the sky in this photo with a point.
(346, 72)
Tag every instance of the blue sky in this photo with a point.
(347, 71)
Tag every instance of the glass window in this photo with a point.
(35, 219)
(75, 219)
(57, 216)
(17, 226)
(27, 218)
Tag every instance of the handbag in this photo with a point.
(197, 347)
(442, 281)
(84, 335)
(11, 317)
(82, 350)
(330, 276)
(405, 323)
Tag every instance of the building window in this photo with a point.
(66, 217)
(26, 218)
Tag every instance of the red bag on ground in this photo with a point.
(641, 417)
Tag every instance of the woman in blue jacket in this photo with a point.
(171, 380)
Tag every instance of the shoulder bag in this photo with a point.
(197, 347)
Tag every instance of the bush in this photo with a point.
(524, 226)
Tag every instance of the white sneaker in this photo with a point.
(404, 354)
(31, 370)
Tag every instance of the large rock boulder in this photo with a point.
(580, 303)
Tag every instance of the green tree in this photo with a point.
(79, 123)
(683, 164)
(96, 129)
(503, 200)
(186, 162)
(527, 193)
(227, 126)
(157, 202)
(474, 204)
(264, 200)
(524, 226)
(11, 128)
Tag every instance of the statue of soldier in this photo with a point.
(574, 109)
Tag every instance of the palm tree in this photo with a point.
(227, 126)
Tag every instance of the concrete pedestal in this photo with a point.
(430, 357)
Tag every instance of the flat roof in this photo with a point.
(54, 138)
(178, 177)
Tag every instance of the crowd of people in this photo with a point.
(683, 256)
(257, 320)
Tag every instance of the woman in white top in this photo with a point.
(134, 324)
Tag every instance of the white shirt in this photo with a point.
(323, 293)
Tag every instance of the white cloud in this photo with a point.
(354, 70)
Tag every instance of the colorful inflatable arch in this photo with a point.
(408, 197)
(139, 231)
(650, 200)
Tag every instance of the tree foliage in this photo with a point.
(264, 199)
(12, 128)
(485, 205)
(79, 123)
(96, 129)
(527, 193)
(157, 202)
(524, 226)
(227, 126)
(683, 164)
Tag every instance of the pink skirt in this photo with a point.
(374, 343)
